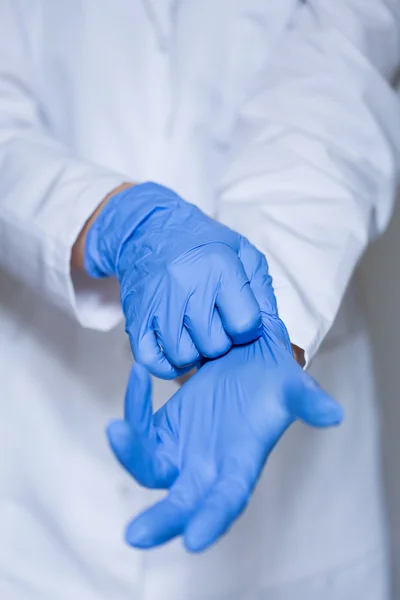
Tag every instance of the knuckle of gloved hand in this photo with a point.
(221, 256)
(184, 358)
(146, 358)
(157, 365)
(216, 348)
(244, 329)
(248, 250)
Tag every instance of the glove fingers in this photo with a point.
(157, 525)
(309, 402)
(169, 517)
(148, 353)
(256, 267)
(236, 303)
(143, 339)
(205, 326)
(174, 338)
(138, 405)
(223, 505)
(228, 495)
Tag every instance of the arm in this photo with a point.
(316, 156)
(46, 193)
(183, 286)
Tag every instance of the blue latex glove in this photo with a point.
(183, 276)
(208, 444)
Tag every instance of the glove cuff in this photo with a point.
(118, 221)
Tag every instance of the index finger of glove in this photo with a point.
(237, 305)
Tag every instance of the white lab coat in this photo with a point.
(277, 117)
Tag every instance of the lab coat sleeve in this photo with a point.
(46, 193)
(315, 157)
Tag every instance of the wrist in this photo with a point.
(298, 354)
(78, 249)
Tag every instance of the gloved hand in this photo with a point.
(185, 292)
(207, 445)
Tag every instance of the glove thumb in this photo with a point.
(134, 441)
(311, 404)
(256, 267)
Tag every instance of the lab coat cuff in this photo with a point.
(305, 331)
(95, 304)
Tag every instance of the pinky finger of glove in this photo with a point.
(157, 525)
(169, 518)
(148, 353)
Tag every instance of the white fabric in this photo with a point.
(279, 118)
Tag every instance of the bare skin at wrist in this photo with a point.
(299, 355)
(78, 249)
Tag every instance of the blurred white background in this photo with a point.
(380, 282)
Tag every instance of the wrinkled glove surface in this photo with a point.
(208, 444)
(184, 278)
